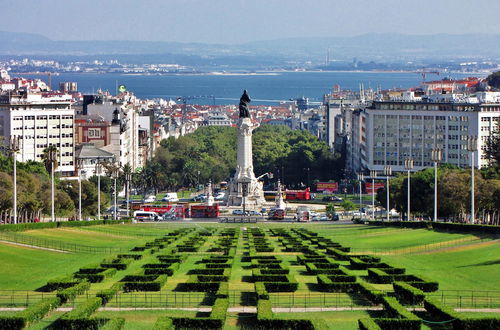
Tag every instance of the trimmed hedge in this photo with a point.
(164, 323)
(407, 293)
(216, 319)
(261, 291)
(61, 282)
(198, 286)
(368, 324)
(281, 286)
(152, 285)
(108, 294)
(57, 224)
(438, 311)
(394, 309)
(425, 286)
(34, 312)
(96, 278)
(399, 324)
(78, 317)
(377, 275)
(69, 294)
(264, 310)
(114, 324)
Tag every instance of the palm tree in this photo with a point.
(49, 157)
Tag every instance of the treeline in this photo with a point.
(34, 193)
(210, 154)
(454, 194)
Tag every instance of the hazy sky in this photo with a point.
(232, 21)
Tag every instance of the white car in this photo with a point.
(220, 196)
(150, 199)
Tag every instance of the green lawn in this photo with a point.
(459, 264)
(476, 267)
(28, 269)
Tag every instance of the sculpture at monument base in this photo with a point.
(244, 188)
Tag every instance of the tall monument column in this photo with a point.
(244, 188)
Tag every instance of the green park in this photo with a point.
(90, 275)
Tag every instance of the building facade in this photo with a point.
(389, 132)
(40, 122)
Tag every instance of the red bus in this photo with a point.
(298, 194)
(205, 211)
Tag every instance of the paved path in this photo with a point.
(33, 246)
(252, 309)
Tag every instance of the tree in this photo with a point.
(494, 79)
(47, 160)
(348, 205)
(492, 151)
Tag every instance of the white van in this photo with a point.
(170, 197)
(145, 216)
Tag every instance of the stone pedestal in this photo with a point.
(244, 186)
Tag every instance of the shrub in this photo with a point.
(379, 276)
(281, 286)
(403, 324)
(368, 324)
(407, 293)
(490, 323)
(130, 256)
(394, 309)
(108, 294)
(69, 294)
(34, 312)
(114, 324)
(62, 282)
(84, 309)
(438, 311)
(164, 323)
(425, 286)
(223, 291)
(370, 293)
(264, 310)
(198, 286)
(261, 291)
(78, 317)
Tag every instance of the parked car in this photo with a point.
(254, 213)
(200, 198)
(219, 196)
(238, 212)
(324, 217)
(332, 199)
(150, 199)
(335, 217)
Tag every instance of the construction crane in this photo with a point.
(424, 73)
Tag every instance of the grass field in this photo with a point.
(461, 262)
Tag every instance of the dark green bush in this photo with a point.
(261, 291)
(376, 275)
(114, 324)
(407, 293)
(61, 282)
(394, 309)
(264, 310)
(368, 324)
(69, 294)
(399, 324)
(281, 286)
(164, 323)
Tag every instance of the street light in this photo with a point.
(98, 173)
(115, 172)
(472, 147)
(388, 173)
(436, 156)
(373, 174)
(408, 166)
(79, 165)
(52, 159)
(128, 178)
(361, 177)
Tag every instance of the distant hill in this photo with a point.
(374, 46)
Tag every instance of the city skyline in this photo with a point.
(234, 22)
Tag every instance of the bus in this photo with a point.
(271, 195)
(298, 194)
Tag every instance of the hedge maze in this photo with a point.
(224, 266)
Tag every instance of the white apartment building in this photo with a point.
(39, 122)
(388, 132)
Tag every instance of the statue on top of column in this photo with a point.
(244, 100)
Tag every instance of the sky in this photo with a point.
(238, 21)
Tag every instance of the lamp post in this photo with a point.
(472, 147)
(436, 156)
(52, 158)
(128, 178)
(373, 174)
(14, 149)
(408, 168)
(388, 173)
(79, 165)
(98, 173)
(361, 177)
(115, 173)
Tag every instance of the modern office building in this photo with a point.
(388, 132)
(40, 120)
